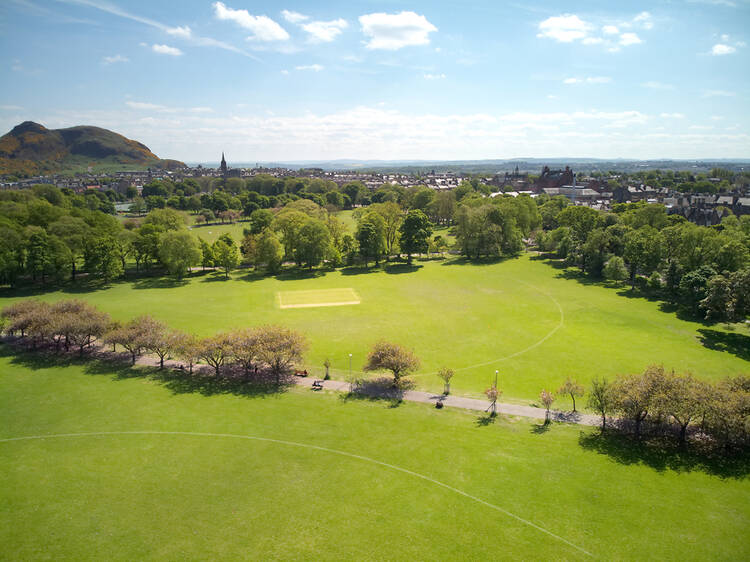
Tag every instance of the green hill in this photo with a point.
(31, 148)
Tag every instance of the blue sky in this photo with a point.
(386, 80)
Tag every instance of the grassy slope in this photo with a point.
(473, 318)
(166, 496)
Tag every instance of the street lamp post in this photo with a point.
(351, 381)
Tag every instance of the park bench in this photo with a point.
(317, 384)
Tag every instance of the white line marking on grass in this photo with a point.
(317, 448)
(314, 305)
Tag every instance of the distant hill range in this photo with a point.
(31, 148)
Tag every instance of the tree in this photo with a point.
(79, 323)
(187, 348)
(225, 256)
(207, 254)
(635, 395)
(245, 348)
(392, 357)
(269, 250)
(371, 237)
(572, 389)
(615, 269)
(280, 348)
(166, 219)
(215, 350)
(493, 393)
(138, 205)
(101, 257)
(546, 398)
(415, 233)
(601, 399)
(156, 338)
(393, 216)
(681, 397)
(134, 335)
(642, 251)
(719, 300)
(289, 222)
(73, 231)
(446, 375)
(260, 219)
(313, 243)
(178, 251)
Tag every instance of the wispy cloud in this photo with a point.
(294, 17)
(183, 32)
(671, 116)
(115, 58)
(325, 31)
(570, 28)
(718, 94)
(721, 49)
(654, 85)
(11, 107)
(313, 67)
(395, 31)
(588, 80)
(262, 28)
(166, 50)
(434, 76)
(155, 107)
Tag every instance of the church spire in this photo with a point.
(223, 166)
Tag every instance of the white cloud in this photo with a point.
(644, 20)
(565, 28)
(593, 41)
(654, 85)
(395, 31)
(166, 50)
(434, 76)
(263, 28)
(629, 39)
(701, 127)
(325, 31)
(144, 105)
(11, 107)
(285, 72)
(313, 67)
(610, 30)
(294, 17)
(589, 80)
(115, 58)
(718, 94)
(721, 49)
(671, 115)
(181, 31)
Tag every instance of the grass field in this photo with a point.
(326, 478)
(522, 317)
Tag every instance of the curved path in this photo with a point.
(316, 448)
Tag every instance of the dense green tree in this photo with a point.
(314, 243)
(178, 251)
(226, 257)
(371, 237)
(415, 233)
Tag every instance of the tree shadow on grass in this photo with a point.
(663, 454)
(736, 344)
(485, 420)
(203, 380)
(398, 268)
(377, 389)
(361, 270)
(540, 428)
(160, 283)
(462, 260)
(297, 274)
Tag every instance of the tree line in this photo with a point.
(75, 325)
(705, 270)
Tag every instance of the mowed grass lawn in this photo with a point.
(333, 479)
(521, 317)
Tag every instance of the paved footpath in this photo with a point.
(410, 395)
(469, 403)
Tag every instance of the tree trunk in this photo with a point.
(132, 356)
(574, 402)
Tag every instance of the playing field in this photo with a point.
(102, 463)
(532, 322)
(317, 297)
